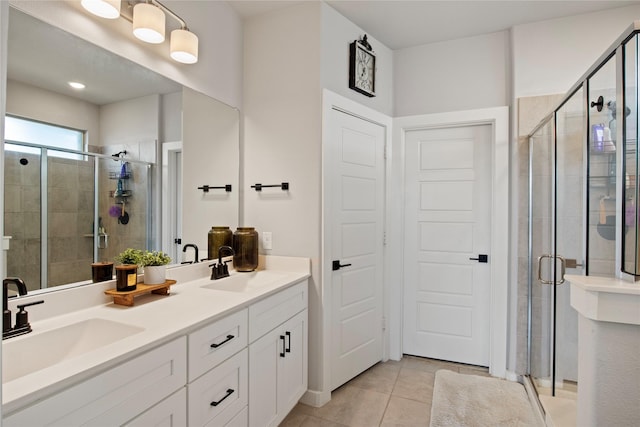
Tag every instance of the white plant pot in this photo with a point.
(155, 274)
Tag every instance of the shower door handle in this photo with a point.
(562, 269)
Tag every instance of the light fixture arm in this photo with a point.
(182, 22)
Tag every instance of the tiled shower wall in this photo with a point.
(70, 197)
(134, 233)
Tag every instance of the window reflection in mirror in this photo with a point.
(124, 107)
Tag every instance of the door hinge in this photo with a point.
(384, 238)
(384, 323)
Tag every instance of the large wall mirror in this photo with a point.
(89, 172)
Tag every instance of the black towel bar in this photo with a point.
(284, 186)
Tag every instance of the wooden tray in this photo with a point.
(126, 298)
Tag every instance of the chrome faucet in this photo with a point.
(22, 317)
(184, 249)
(220, 270)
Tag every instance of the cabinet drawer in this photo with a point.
(240, 420)
(216, 397)
(272, 311)
(171, 412)
(216, 342)
(115, 396)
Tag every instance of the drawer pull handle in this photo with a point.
(284, 346)
(229, 393)
(229, 338)
(288, 334)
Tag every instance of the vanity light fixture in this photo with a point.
(109, 9)
(149, 24)
(76, 85)
(184, 46)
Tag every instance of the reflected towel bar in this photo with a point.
(206, 188)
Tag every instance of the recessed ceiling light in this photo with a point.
(76, 85)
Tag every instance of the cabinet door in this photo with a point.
(292, 369)
(263, 374)
(278, 372)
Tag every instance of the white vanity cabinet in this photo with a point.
(277, 355)
(248, 368)
(116, 396)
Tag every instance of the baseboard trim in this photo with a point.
(316, 398)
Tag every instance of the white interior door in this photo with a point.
(357, 199)
(447, 230)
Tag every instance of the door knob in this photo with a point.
(337, 266)
(481, 258)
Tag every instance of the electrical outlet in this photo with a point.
(267, 240)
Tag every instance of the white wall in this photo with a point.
(463, 74)
(38, 104)
(337, 33)
(550, 56)
(282, 143)
(218, 72)
(210, 155)
(171, 117)
(131, 122)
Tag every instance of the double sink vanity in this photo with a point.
(227, 352)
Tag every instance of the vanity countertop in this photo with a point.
(605, 299)
(191, 304)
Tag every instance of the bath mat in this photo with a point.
(474, 401)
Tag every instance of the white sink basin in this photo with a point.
(244, 282)
(33, 352)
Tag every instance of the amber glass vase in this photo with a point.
(245, 246)
(218, 236)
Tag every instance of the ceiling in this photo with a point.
(400, 24)
(47, 57)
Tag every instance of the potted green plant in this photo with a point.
(155, 267)
(127, 271)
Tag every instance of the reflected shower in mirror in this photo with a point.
(68, 207)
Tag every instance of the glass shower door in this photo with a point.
(557, 228)
(541, 244)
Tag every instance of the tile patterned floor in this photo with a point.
(387, 394)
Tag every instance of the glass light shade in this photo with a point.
(184, 46)
(148, 23)
(109, 9)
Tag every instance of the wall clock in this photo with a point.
(362, 67)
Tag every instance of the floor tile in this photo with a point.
(474, 370)
(415, 385)
(429, 365)
(381, 377)
(298, 419)
(405, 412)
(351, 406)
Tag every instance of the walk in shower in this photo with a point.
(65, 209)
(582, 207)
